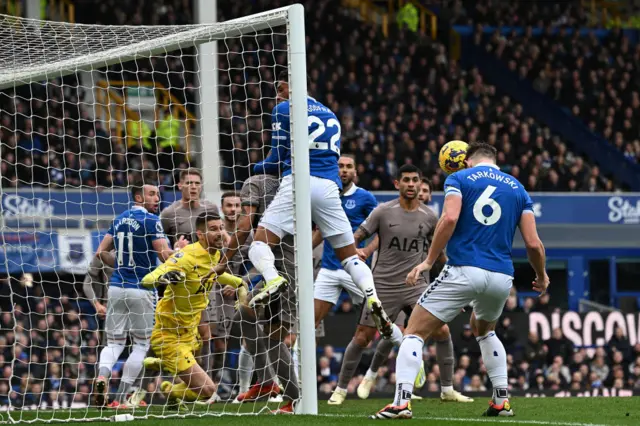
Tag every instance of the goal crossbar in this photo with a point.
(188, 36)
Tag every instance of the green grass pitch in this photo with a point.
(529, 411)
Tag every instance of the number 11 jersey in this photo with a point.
(134, 232)
(492, 204)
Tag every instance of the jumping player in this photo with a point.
(326, 207)
(482, 209)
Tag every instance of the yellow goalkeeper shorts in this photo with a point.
(175, 350)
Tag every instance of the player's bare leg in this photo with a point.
(363, 278)
(495, 360)
(321, 309)
(263, 261)
(363, 336)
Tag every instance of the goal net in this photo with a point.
(88, 112)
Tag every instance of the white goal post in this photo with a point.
(34, 52)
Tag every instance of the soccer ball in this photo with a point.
(452, 155)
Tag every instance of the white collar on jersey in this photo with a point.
(139, 208)
(495, 166)
(351, 190)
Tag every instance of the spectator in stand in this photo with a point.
(620, 343)
(535, 352)
(558, 346)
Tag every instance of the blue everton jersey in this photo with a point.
(492, 204)
(324, 142)
(357, 204)
(134, 232)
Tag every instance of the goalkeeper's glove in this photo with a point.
(241, 294)
(172, 277)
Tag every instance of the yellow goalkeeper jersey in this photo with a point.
(183, 302)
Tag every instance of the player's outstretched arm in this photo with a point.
(316, 238)
(172, 271)
(244, 226)
(535, 250)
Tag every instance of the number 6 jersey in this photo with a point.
(492, 204)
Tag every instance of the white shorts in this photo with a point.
(460, 286)
(329, 284)
(326, 211)
(130, 311)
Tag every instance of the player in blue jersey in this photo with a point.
(482, 209)
(326, 207)
(138, 239)
(357, 203)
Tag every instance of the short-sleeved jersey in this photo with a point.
(358, 204)
(183, 302)
(179, 220)
(258, 191)
(324, 142)
(405, 237)
(134, 232)
(492, 204)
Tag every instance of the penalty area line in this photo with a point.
(483, 420)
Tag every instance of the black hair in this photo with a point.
(408, 168)
(205, 217)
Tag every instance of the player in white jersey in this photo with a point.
(326, 207)
(482, 209)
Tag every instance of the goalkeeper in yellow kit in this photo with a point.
(175, 333)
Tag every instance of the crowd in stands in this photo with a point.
(598, 79)
(398, 100)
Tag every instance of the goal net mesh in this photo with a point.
(86, 112)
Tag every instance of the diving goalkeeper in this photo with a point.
(175, 333)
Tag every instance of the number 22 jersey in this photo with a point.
(492, 205)
(324, 142)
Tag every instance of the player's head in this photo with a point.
(210, 230)
(480, 152)
(348, 171)
(190, 184)
(408, 181)
(282, 86)
(231, 206)
(424, 194)
(147, 196)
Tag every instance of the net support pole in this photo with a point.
(206, 12)
(301, 190)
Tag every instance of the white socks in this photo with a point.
(495, 360)
(396, 335)
(371, 375)
(108, 357)
(360, 274)
(263, 260)
(407, 368)
(245, 369)
(133, 366)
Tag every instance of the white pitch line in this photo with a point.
(483, 420)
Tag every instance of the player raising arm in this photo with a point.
(175, 333)
(482, 209)
(326, 208)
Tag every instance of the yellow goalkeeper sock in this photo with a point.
(182, 392)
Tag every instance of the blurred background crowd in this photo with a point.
(399, 98)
